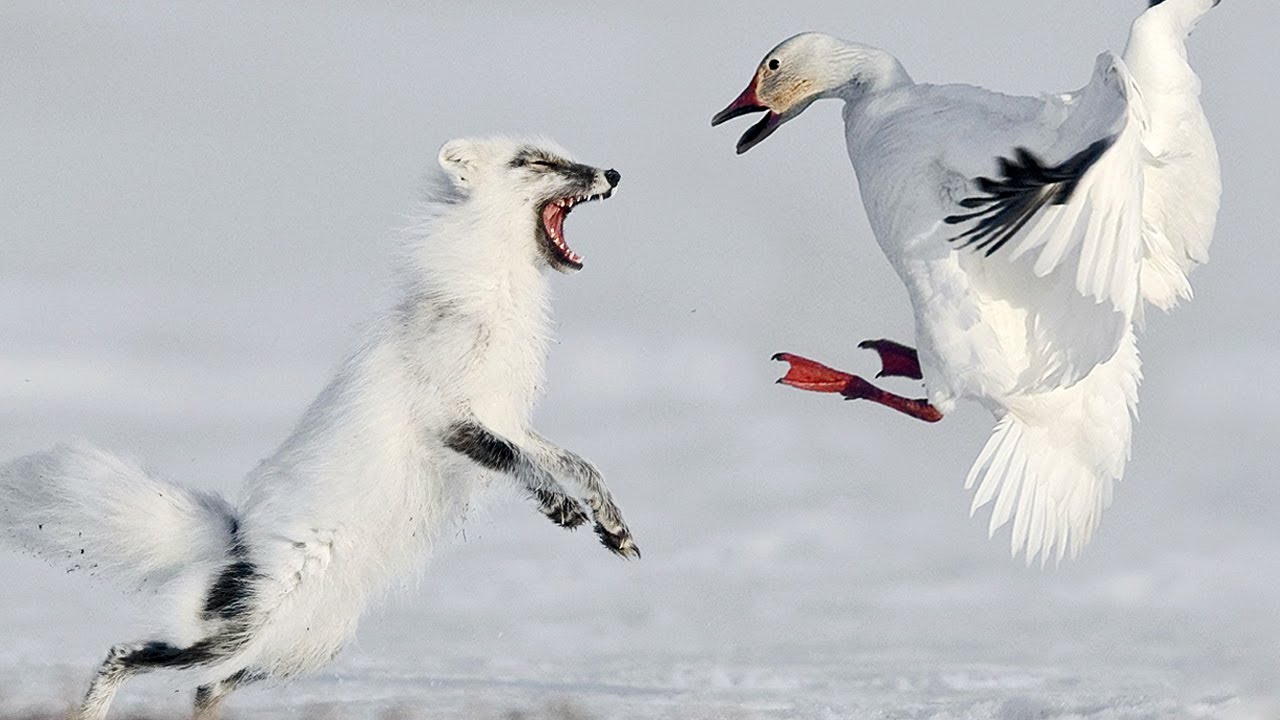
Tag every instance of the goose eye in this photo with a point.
(773, 64)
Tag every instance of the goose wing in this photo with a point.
(1057, 230)
(1181, 173)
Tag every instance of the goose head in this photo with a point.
(802, 69)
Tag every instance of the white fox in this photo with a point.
(433, 405)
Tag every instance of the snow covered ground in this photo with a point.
(197, 216)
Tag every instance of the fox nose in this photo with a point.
(613, 176)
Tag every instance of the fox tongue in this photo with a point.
(553, 221)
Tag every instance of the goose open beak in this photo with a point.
(745, 104)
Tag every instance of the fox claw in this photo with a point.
(619, 543)
(561, 509)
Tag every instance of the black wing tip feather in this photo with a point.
(1028, 185)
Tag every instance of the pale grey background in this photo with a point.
(198, 208)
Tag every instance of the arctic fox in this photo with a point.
(432, 406)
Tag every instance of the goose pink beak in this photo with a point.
(745, 104)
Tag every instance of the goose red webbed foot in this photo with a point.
(896, 359)
(807, 374)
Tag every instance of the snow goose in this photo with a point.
(1029, 233)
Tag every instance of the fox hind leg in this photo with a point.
(125, 661)
(208, 702)
(106, 683)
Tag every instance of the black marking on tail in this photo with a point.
(231, 591)
(1027, 186)
(476, 442)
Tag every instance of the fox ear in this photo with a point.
(458, 158)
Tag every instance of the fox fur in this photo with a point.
(433, 405)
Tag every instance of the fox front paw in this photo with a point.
(618, 539)
(562, 510)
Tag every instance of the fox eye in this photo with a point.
(542, 163)
(773, 64)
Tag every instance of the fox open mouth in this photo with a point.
(553, 214)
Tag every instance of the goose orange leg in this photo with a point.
(807, 374)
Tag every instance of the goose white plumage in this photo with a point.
(1029, 232)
